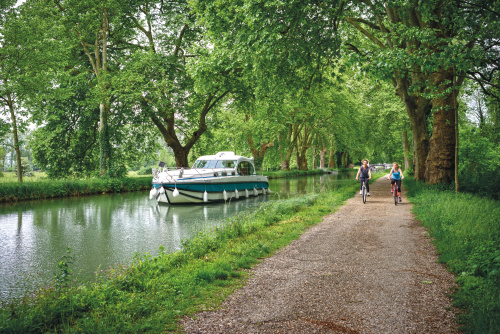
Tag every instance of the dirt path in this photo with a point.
(365, 269)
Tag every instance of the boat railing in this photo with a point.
(186, 173)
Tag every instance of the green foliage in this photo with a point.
(13, 192)
(25, 167)
(63, 276)
(479, 164)
(154, 293)
(145, 171)
(466, 230)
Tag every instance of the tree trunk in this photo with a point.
(285, 164)
(314, 158)
(345, 159)
(331, 159)
(104, 144)
(440, 164)
(416, 108)
(455, 92)
(322, 157)
(406, 149)
(258, 153)
(16, 138)
(181, 157)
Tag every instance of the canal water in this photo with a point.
(106, 230)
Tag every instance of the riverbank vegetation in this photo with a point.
(43, 188)
(466, 232)
(153, 293)
(292, 173)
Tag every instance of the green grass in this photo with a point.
(293, 173)
(12, 177)
(154, 293)
(43, 188)
(466, 229)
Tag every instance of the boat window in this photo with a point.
(245, 168)
(226, 163)
(205, 164)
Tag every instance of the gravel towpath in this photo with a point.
(368, 268)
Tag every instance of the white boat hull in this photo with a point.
(209, 191)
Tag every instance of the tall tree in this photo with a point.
(17, 46)
(176, 76)
(94, 26)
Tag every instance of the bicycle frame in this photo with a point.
(363, 190)
(395, 192)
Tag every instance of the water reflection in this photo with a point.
(109, 229)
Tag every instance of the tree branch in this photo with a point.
(366, 33)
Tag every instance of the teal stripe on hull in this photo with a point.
(215, 188)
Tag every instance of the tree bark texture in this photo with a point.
(406, 149)
(302, 144)
(10, 102)
(345, 159)
(258, 153)
(314, 157)
(416, 108)
(322, 157)
(441, 158)
(331, 159)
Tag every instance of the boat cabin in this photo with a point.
(226, 160)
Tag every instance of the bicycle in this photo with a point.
(395, 192)
(364, 192)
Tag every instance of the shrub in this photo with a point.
(145, 171)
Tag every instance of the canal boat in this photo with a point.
(212, 178)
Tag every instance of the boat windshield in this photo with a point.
(214, 164)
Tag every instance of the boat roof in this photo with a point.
(225, 155)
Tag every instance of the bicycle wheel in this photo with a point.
(364, 193)
(395, 195)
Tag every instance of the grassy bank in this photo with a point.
(42, 188)
(155, 292)
(466, 229)
(294, 173)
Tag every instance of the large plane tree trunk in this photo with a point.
(417, 108)
(440, 163)
(406, 149)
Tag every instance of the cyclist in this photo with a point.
(366, 174)
(396, 175)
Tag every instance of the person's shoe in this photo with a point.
(400, 198)
(368, 194)
(361, 192)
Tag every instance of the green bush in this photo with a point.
(479, 167)
(145, 171)
(25, 167)
(466, 229)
